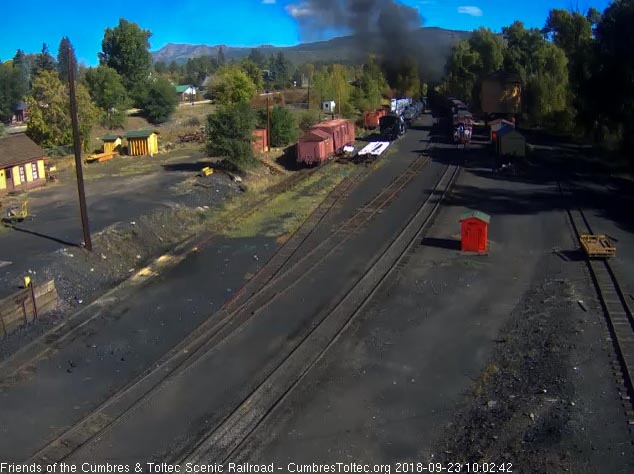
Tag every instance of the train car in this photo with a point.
(392, 126)
(324, 140)
(398, 106)
(315, 147)
(462, 127)
(342, 132)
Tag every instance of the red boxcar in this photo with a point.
(341, 131)
(315, 147)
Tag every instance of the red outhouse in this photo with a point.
(474, 228)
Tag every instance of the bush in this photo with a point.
(230, 134)
(308, 119)
(284, 130)
(159, 101)
(193, 122)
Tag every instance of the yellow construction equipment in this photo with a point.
(206, 171)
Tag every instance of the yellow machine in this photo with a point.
(206, 171)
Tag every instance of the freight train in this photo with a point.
(458, 115)
(325, 140)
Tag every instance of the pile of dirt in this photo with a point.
(523, 403)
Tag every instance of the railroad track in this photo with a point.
(259, 292)
(615, 307)
(224, 440)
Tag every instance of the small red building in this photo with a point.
(474, 228)
(260, 140)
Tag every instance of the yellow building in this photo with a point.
(21, 164)
(111, 143)
(142, 142)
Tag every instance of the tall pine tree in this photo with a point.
(64, 53)
(44, 61)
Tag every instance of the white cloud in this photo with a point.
(470, 10)
(268, 2)
(299, 10)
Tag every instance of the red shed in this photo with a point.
(341, 131)
(259, 141)
(474, 228)
(315, 147)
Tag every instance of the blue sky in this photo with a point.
(231, 22)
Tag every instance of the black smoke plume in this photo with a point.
(382, 27)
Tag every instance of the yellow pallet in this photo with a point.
(597, 245)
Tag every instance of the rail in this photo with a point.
(617, 312)
(257, 293)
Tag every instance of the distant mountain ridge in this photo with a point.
(435, 44)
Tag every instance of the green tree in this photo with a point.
(233, 85)
(543, 68)
(254, 72)
(220, 59)
(490, 48)
(333, 83)
(371, 85)
(3, 131)
(159, 101)
(44, 61)
(280, 69)
(284, 129)
(197, 69)
(11, 90)
(256, 56)
(612, 86)
(107, 91)
(230, 134)
(64, 53)
(461, 71)
(160, 67)
(49, 104)
(125, 48)
(573, 33)
(308, 119)
(23, 65)
(471, 61)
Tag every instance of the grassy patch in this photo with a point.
(285, 212)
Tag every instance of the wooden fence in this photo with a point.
(26, 306)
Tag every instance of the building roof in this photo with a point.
(504, 76)
(110, 137)
(21, 106)
(18, 148)
(475, 215)
(506, 130)
(139, 133)
(182, 88)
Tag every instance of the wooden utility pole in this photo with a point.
(268, 123)
(77, 147)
